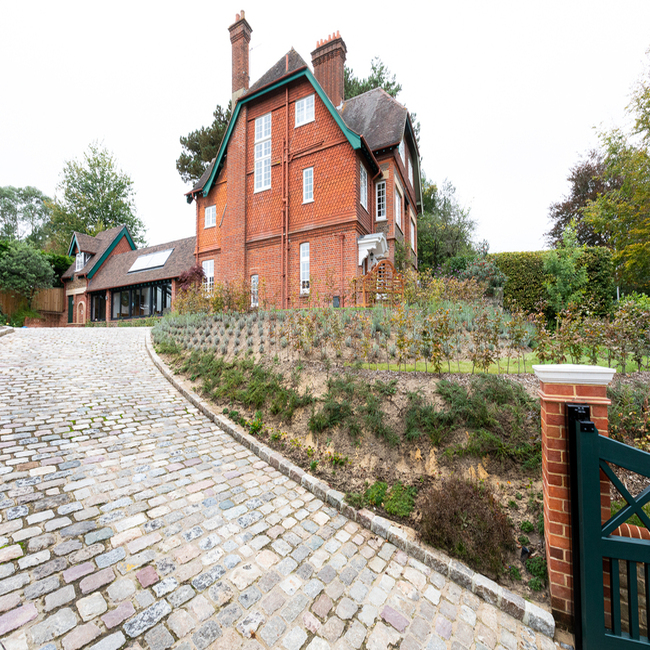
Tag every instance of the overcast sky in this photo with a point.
(509, 94)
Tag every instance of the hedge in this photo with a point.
(525, 289)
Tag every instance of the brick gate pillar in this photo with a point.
(561, 385)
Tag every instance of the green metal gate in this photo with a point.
(611, 579)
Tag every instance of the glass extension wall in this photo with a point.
(141, 301)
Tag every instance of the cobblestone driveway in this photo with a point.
(130, 520)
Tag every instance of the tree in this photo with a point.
(201, 146)
(567, 278)
(445, 228)
(380, 77)
(588, 179)
(24, 270)
(24, 214)
(622, 212)
(93, 195)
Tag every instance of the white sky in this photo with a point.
(508, 93)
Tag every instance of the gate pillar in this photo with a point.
(561, 385)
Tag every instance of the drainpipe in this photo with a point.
(342, 289)
(285, 199)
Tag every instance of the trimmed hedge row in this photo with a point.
(525, 289)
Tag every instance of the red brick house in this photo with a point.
(307, 191)
(112, 280)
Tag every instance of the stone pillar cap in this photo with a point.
(569, 373)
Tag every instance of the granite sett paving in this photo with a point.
(129, 519)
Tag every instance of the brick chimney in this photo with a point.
(240, 37)
(328, 60)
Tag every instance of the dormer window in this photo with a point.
(80, 261)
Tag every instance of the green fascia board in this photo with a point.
(72, 243)
(109, 250)
(353, 138)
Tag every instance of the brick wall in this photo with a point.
(248, 240)
(122, 246)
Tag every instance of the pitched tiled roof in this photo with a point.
(96, 246)
(115, 271)
(376, 116)
(289, 63)
(204, 177)
(87, 244)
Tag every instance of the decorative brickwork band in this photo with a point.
(561, 385)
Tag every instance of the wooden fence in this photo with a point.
(50, 300)
(47, 300)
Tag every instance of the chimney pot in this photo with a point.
(328, 61)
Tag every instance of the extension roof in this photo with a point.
(114, 273)
(98, 247)
(289, 68)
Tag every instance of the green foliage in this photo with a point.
(60, 264)
(622, 212)
(514, 572)
(376, 493)
(566, 277)
(629, 414)
(355, 499)
(24, 270)
(24, 215)
(598, 263)
(485, 270)
(540, 524)
(18, 318)
(526, 279)
(537, 568)
(202, 145)
(422, 418)
(353, 405)
(526, 527)
(380, 77)
(167, 345)
(465, 520)
(400, 501)
(500, 417)
(634, 520)
(587, 180)
(524, 288)
(400, 256)
(445, 228)
(244, 382)
(93, 195)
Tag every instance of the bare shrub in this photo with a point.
(464, 519)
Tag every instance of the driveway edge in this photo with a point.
(402, 537)
(6, 330)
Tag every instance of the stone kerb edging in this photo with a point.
(6, 330)
(400, 536)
